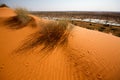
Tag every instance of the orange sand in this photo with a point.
(90, 55)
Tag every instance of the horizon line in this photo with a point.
(69, 11)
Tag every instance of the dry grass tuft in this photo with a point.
(20, 20)
(50, 36)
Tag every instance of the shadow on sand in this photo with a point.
(16, 23)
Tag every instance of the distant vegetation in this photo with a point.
(115, 30)
(108, 16)
(114, 16)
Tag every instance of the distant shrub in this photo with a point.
(90, 24)
(106, 25)
(101, 29)
(115, 29)
(116, 34)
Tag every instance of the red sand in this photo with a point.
(90, 55)
(6, 12)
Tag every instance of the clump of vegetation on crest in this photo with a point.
(23, 15)
(21, 19)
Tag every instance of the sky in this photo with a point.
(65, 5)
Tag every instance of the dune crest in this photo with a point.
(6, 12)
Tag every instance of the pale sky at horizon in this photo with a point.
(65, 5)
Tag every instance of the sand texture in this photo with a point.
(89, 55)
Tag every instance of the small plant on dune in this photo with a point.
(21, 19)
(22, 15)
(50, 36)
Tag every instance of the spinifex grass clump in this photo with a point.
(21, 19)
(51, 35)
(22, 15)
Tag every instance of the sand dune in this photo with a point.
(6, 12)
(89, 55)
